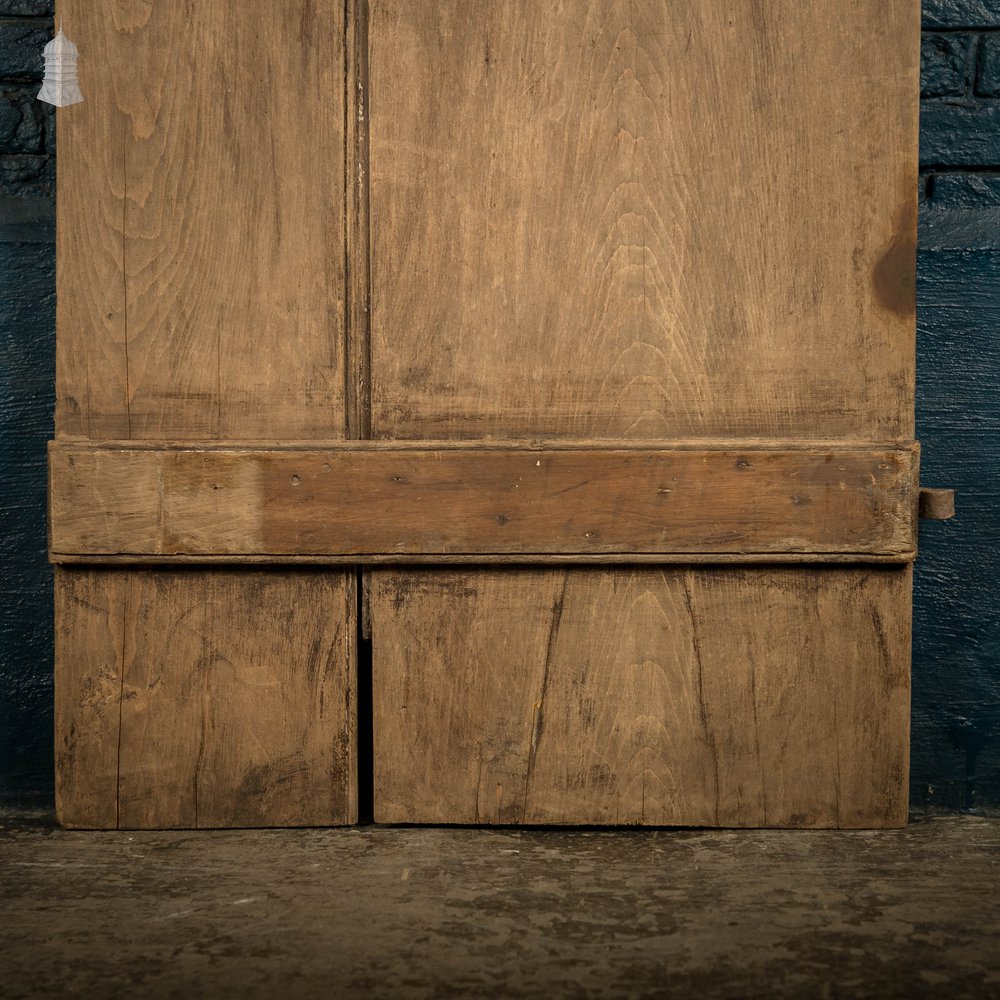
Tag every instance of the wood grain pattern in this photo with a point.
(201, 294)
(611, 220)
(631, 218)
(193, 699)
(756, 697)
(379, 500)
(201, 278)
(90, 615)
(358, 222)
(91, 367)
(936, 504)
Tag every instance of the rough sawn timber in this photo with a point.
(378, 501)
(629, 219)
(201, 294)
(774, 696)
(205, 699)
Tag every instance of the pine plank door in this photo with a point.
(630, 223)
(565, 350)
(201, 277)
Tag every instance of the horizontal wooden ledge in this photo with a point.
(492, 444)
(526, 502)
(316, 561)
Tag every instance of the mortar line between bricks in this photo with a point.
(990, 169)
(963, 29)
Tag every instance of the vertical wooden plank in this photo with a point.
(91, 376)
(201, 272)
(665, 696)
(873, 763)
(167, 659)
(190, 699)
(809, 690)
(661, 220)
(279, 728)
(90, 614)
(201, 295)
(238, 705)
(235, 220)
(454, 693)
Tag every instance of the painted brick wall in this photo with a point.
(27, 374)
(956, 667)
(956, 704)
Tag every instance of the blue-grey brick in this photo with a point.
(945, 64)
(965, 191)
(21, 45)
(27, 379)
(961, 134)
(48, 113)
(961, 14)
(27, 220)
(27, 8)
(23, 176)
(961, 212)
(988, 76)
(956, 617)
(22, 120)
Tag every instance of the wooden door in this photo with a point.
(586, 328)
(201, 297)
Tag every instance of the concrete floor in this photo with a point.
(500, 913)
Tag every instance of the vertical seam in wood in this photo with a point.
(364, 200)
(348, 217)
(823, 657)
(128, 393)
(702, 707)
(836, 749)
(353, 704)
(352, 699)
(121, 702)
(756, 737)
(218, 381)
(357, 340)
(357, 359)
(537, 721)
(204, 682)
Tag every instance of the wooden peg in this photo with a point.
(937, 505)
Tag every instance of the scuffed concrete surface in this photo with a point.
(382, 912)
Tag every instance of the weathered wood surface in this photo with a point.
(634, 218)
(358, 222)
(614, 219)
(382, 501)
(716, 697)
(89, 630)
(936, 504)
(631, 219)
(201, 222)
(193, 699)
(92, 384)
(201, 294)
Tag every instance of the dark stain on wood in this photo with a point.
(894, 276)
